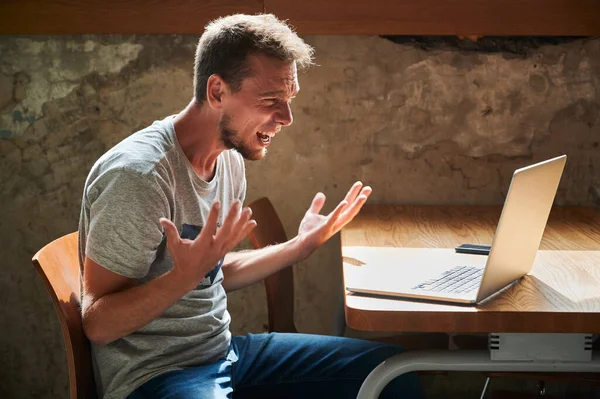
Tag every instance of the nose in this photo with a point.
(283, 116)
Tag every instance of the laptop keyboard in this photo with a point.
(458, 280)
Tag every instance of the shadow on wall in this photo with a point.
(509, 45)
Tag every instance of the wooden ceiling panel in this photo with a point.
(116, 16)
(442, 17)
(377, 17)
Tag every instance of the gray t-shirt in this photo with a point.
(145, 177)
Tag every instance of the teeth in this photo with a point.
(266, 134)
(264, 138)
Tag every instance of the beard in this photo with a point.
(231, 140)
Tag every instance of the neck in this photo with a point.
(196, 128)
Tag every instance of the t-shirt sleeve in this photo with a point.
(124, 231)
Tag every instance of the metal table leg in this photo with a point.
(462, 360)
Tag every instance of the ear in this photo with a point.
(215, 89)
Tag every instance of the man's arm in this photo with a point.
(241, 269)
(114, 306)
(244, 268)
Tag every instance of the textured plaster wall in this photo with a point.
(437, 126)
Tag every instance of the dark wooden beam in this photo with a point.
(377, 17)
(116, 16)
(442, 17)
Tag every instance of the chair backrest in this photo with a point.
(58, 265)
(278, 286)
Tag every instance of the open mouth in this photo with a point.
(264, 137)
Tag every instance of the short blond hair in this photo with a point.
(227, 42)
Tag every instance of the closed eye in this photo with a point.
(272, 101)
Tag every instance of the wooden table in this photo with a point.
(560, 295)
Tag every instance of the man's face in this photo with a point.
(255, 114)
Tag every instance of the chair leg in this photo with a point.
(339, 318)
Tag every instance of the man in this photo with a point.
(161, 212)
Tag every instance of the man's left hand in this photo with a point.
(315, 228)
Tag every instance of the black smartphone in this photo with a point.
(475, 249)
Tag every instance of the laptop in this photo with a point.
(439, 274)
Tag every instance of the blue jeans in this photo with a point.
(283, 366)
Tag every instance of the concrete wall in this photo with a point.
(420, 126)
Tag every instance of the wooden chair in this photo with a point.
(58, 265)
(279, 287)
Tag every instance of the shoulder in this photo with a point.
(141, 160)
(125, 185)
(143, 151)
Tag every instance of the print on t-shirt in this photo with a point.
(190, 232)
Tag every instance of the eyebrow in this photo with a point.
(277, 93)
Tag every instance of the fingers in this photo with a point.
(356, 196)
(210, 227)
(317, 203)
(229, 222)
(235, 227)
(244, 226)
(171, 233)
(367, 190)
(357, 189)
(352, 210)
(250, 225)
(343, 214)
(353, 192)
(335, 214)
(239, 230)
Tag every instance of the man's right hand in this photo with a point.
(114, 306)
(194, 259)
